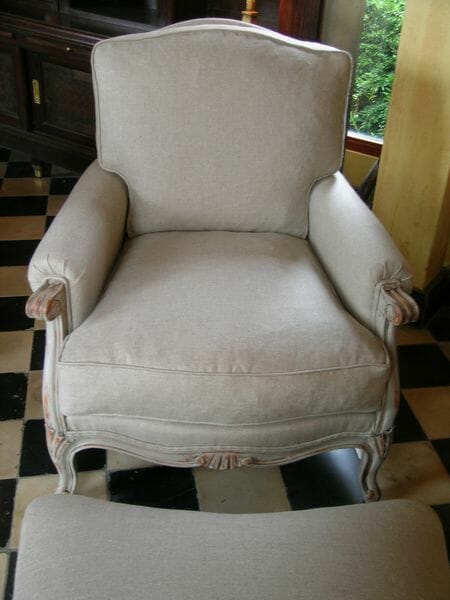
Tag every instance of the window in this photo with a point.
(375, 66)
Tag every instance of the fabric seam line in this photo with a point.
(62, 363)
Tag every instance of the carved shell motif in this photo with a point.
(223, 460)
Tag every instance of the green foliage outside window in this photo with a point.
(375, 67)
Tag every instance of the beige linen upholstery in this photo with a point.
(82, 244)
(80, 549)
(207, 328)
(353, 247)
(230, 135)
(228, 330)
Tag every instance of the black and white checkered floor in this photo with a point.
(417, 466)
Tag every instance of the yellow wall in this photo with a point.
(412, 197)
(357, 166)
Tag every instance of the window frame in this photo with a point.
(364, 144)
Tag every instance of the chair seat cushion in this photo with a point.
(80, 549)
(222, 329)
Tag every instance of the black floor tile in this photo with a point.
(160, 487)
(9, 589)
(439, 325)
(90, 460)
(62, 185)
(442, 447)
(48, 222)
(25, 169)
(407, 427)
(4, 154)
(17, 253)
(23, 206)
(327, 479)
(13, 391)
(35, 459)
(443, 512)
(423, 365)
(12, 314)
(7, 492)
(38, 351)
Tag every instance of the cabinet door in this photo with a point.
(12, 84)
(63, 100)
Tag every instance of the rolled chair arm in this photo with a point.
(366, 268)
(48, 302)
(80, 247)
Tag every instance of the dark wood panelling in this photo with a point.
(300, 18)
(55, 61)
(67, 102)
(48, 148)
(13, 93)
(8, 93)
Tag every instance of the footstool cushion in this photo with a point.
(78, 548)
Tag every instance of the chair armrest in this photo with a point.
(367, 270)
(81, 246)
(47, 302)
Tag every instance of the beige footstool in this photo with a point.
(76, 548)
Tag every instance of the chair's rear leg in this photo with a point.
(368, 476)
(373, 455)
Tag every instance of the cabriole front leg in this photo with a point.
(62, 454)
(49, 303)
(395, 308)
(374, 453)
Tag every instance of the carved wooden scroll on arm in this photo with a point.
(48, 302)
(399, 307)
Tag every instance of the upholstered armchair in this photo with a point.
(216, 294)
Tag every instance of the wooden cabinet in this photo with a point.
(46, 96)
(61, 89)
(12, 83)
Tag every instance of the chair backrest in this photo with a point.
(219, 126)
